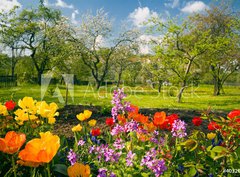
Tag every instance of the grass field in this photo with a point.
(194, 98)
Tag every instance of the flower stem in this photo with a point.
(48, 170)
(14, 167)
(34, 172)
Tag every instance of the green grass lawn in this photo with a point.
(197, 98)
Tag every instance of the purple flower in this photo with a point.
(156, 133)
(72, 157)
(158, 167)
(129, 158)
(131, 126)
(118, 105)
(179, 129)
(150, 155)
(81, 142)
(127, 106)
(91, 149)
(156, 141)
(153, 163)
(116, 156)
(117, 130)
(108, 154)
(119, 144)
(102, 172)
(105, 153)
(112, 175)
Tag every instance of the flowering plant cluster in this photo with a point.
(22, 124)
(129, 144)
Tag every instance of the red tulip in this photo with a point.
(10, 105)
(109, 121)
(96, 132)
(234, 113)
(213, 126)
(197, 121)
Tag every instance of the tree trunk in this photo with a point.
(13, 71)
(217, 86)
(179, 96)
(160, 82)
(98, 84)
(119, 78)
(39, 79)
(13, 63)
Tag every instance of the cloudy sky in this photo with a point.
(134, 12)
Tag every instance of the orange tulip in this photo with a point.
(121, 119)
(142, 137)
(40, 150)
(78, 170)
(150, 127)
(159, 118)
(143, 119)
(12, 142)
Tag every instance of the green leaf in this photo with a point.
(60, 168)
(192, 171)
(218, 152)
(219, 149)
(145, 174)
(190, 144)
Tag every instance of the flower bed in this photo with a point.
(131, 144)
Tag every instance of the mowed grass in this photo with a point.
(194, 98)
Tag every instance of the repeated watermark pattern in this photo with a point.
(69, 82)
(106, 90)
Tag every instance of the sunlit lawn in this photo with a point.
(197, 98)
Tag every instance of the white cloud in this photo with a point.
(145, 46)
(172, 3)
(7, 5)
(141, 15)
(194, 6)
(61, 3)
(46, 3)
(73, 17)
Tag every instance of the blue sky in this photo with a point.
(134, 12)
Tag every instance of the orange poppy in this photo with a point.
(159, 118)
(12, 142)
(78, 170)
(40, 150)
